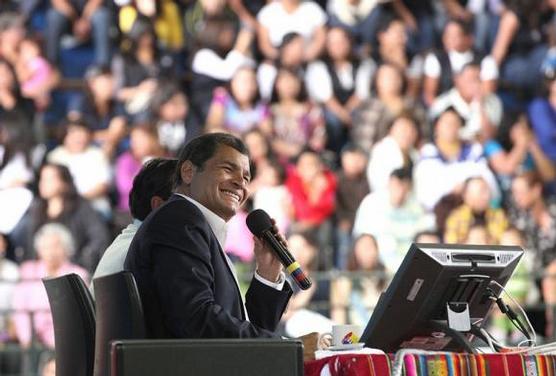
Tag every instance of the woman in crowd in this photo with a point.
(11, 100)
(238, 109)
(98, 107)
(137, 69)
(88, 165)
(341, 82)
(372, 119)
(517, 150)
(16, 170)
(58, 201)
(296, 121)
(449, 157)
(55, 247)
(397, 150)
(143, 146)
(353, 299)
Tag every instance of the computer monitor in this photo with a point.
(437, 288)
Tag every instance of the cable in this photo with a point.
(533, 338)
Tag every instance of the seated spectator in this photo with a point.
(535, 217)
(457, 50)
(16, 170)
(517, 150)
(393, 216)
(475, 210)
(520, 44)
(239, 109)
(313, 190)
(542, 114)
(428, 237)
(34, 72)
(85, 19)
(290, 56)
(11, 100)
(278, 18)
(219, 51)
(481, 15)
(451, 158)
(352, 189)
(354, 299)
(58, 201)
(12, 32)
(419, 18)
(273, 197)
(165, 16)
(393, 49)
(296, 122)
(478, 235)
(138, 68)
(482, 112)
(87, 163)
(300, 317)
(98, 107)
(261, 155)
(397, 150)
(152, 186)
(169, 109)
(9, 276)
(55, 247)
(341, 83)
(372, 119)
(143, 146)
(360, 17)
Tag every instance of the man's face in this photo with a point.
(221, 184)
(399, 189)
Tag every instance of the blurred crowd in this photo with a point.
(371, 124)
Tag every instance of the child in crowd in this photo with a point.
(35, 73)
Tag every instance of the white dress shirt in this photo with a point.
(220, 229)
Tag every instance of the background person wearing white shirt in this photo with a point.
(152, 186)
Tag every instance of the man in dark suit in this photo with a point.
(186, 281)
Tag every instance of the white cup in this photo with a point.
(342, 335)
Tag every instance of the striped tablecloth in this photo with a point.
(439, 364)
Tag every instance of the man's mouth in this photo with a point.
(232, 194)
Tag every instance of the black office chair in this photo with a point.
(119, 315)
(73, 314)
(206, 357)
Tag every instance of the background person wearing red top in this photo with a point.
(313, 189)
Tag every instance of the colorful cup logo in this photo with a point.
(350, 338)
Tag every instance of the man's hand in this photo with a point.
(268, 264)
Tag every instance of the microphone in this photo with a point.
(259, 223)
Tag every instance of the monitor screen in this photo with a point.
(413, 311)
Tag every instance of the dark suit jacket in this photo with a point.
(186, 285)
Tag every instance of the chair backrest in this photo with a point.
(73, 315)
(119, 315)
(231, 357)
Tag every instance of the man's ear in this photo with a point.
(156, 202)
(187, 171)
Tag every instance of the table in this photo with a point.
(439, 364)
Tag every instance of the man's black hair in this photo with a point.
(154, 179)
(403, 173)
(202, 148)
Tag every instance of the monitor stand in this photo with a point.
(459, 322)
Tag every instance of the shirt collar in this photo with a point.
(217, 224)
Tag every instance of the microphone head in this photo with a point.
(258, 221)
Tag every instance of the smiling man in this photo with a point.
(187, 283)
